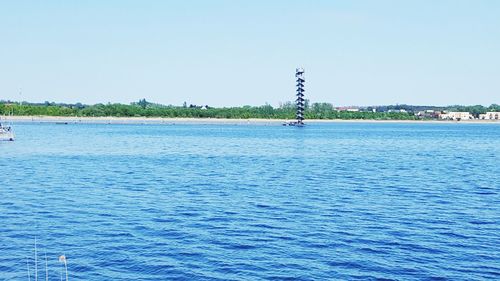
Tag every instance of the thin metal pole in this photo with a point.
(66, 267)
(36, 266)
(28, 265)
(46, 268)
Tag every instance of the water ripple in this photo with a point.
(347, 201)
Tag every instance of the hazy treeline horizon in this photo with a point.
(285, 110)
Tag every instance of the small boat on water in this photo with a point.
(296, 124)
(6, 132)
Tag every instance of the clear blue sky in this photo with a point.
(225, 53)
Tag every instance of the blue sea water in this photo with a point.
(340, 201)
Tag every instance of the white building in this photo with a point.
(456, 116)
(396, 110)
(352, 109)
(490, 116)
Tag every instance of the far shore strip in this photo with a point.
(160, 120)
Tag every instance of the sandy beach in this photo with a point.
(159, 120)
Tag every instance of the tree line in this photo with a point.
(144, 108)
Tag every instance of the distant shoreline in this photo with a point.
(160, 120)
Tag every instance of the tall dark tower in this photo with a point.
(299, 74)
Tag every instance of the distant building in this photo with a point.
(490, 116)
(456, 116)
(397, 110)
(204, 107)
(428, 114)
(351, 109)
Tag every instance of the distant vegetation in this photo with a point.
(144, 108)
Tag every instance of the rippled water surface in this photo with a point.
(336, 201)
